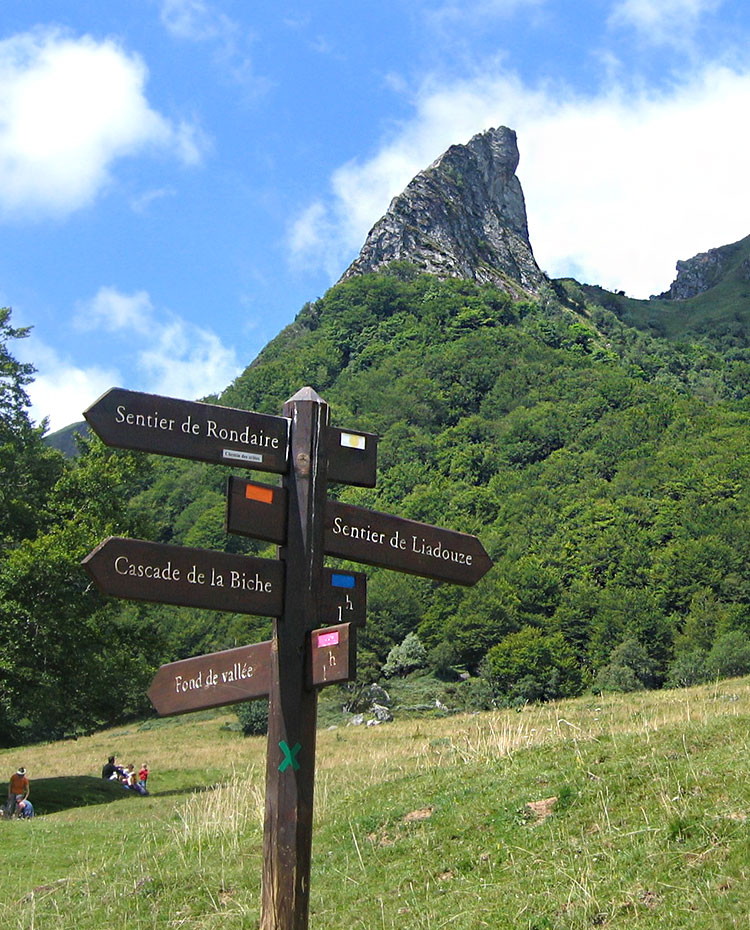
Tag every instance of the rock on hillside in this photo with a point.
(462, 217)
(700, 273)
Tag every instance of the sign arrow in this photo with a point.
(403, 545)
(147, 571)
(332, 654)
(212, 680)
(190, 430)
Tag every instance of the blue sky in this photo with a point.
(178, 177)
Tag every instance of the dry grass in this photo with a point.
(419, 823)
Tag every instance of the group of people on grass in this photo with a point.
(125, 775)
(18, 803)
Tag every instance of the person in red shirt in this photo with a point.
(18, 790)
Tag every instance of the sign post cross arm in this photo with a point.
(292, 717)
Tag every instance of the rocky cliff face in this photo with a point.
(462, 217)
(700, 273)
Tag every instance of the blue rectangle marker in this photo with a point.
(342, 581)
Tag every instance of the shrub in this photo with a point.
(441, 660)
(406, 657)
(729, 655)
(531, 665)
(253, 717)
(629, 669)
(688, 668)
(474, 694)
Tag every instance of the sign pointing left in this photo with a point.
(147, 571)
(190, 430)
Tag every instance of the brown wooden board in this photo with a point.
(257, 510)
(333, 655)
(212, 680)
(344, 597)
(147, 571)
(352, 457)
(403, 545)
(190, 430)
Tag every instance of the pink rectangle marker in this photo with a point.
(328, 639)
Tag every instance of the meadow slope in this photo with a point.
(603, 811)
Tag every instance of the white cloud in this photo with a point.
(478, 9)
(314, 232)
(618, 185)
(69, 107)
(198, 21)
(194, 20)
(112, 311)
(662, 22)
(169, 354)
(62, 390)
(142, 202)
(187, 361)
(158, 352)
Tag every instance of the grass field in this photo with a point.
(619, 811)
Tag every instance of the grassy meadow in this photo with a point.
(615, 811)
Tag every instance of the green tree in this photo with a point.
(532, 665)
(729, 656)
(28, 468)
(69, 661)
(630, 668)
(406, 657)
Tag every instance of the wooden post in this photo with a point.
(290, 762)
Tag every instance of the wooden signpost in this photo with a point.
(316, 610)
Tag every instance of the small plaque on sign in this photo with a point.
(257, 510)
(352, 457)
(333, 655)
(344, 597)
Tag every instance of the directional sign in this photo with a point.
(190, 430)
(344, 597)
(212, 680)
(403, 545)
(244, 673)
(352, 457)
(333, 653)
(146, 571)
(257, 510)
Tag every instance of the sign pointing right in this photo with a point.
(403, 545)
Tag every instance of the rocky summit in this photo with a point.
(700, 273)
(463, 217)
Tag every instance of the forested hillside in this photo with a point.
(605, 470)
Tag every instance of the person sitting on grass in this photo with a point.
(18, 790)
(25, 809)
(130, 781)
(112, 771)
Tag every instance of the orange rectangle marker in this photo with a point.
(257, 492)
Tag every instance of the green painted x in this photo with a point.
(290, 756)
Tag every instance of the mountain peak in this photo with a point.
(705, 270)
(463, 217)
